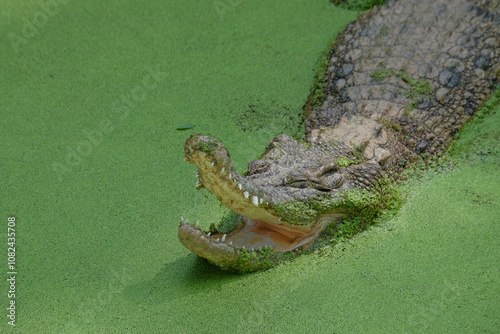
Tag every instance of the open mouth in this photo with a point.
(259, 225)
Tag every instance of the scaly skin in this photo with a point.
(402, 80)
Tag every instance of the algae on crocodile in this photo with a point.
(345, 162)
(384, 198)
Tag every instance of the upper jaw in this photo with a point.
(216, 173)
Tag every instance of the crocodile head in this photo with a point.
(271, 201)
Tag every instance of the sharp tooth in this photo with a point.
(242, 247)
(252, 249)
(213, 163)
(182, 219)
(230, 176)
(230, 243)
(217, 239)
(223, 238)
(255, 201)
(246, 194)
(198, 184)
(208, 235)
(261, 200)
(279, 218)
(240, 186)
(197, 225)
(223, 169)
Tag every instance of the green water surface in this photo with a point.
(92, 94)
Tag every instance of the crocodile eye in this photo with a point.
(298, 184)
(320, 186)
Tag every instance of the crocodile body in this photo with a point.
(401, 82)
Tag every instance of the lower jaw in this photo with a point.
(230, 251)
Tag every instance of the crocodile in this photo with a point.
(399, 84)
